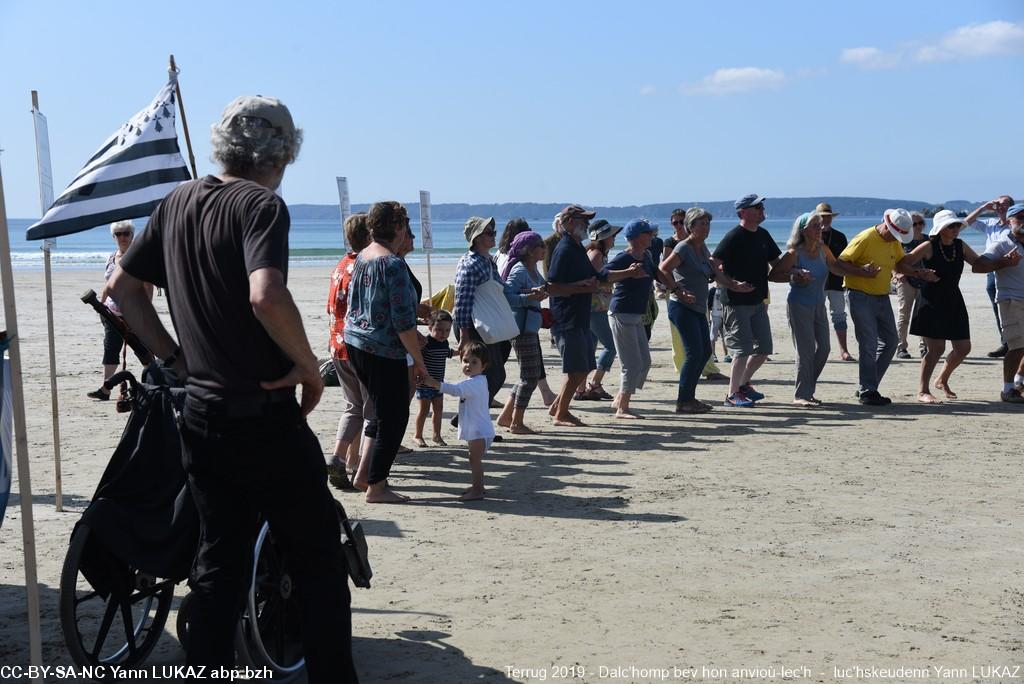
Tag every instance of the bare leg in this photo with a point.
(477, 448)
(560, 408)
(505, 419)
(437, 405)
(421, 419)
(380, 492)
(362, 478)
(546, 395)
(935, 349)
(622, 407)
(959, 352)
(753, 363)
(844, 353)
(352, 458)
(518, 427)
(737, 373)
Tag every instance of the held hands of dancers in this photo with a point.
(536, 294)
(927, 275)
(741, 286)
(800, 276)
(1012, 258)
(869, 270)
(685, 295)
(427, 380)
(636, 270)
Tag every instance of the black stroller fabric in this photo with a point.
(142, 513)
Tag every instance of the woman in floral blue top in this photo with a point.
(380, 329)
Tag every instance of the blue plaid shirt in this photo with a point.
(473, 271)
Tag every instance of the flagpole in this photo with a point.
(54, 406)
(20, 439)
(173, 71)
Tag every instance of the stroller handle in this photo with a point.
(117, 378)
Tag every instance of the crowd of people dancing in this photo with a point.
(596, 296)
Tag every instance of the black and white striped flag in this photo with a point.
(127, 177)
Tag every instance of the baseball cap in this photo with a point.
(1015, 209)
(576, 211)
(639, 227)
(748, 201)
(270, 109)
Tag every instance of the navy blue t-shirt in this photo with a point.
(632, 294)
(569, 264)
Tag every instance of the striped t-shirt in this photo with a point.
(435, 355)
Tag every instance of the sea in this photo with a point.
(318, 242)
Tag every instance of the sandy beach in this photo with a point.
(673, 548)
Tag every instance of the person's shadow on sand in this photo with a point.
(418, 655)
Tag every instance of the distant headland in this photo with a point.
(778, 207)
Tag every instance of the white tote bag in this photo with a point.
(492, 314)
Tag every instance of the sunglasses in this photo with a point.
(918, 223)
(679, 222)
(122, 233)
(491, 233)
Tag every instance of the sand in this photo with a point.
(676, 547)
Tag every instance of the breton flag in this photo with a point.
(127, 177)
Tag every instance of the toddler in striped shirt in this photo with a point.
(436, 352)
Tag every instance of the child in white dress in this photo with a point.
(474, 417)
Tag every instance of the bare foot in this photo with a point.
(473, 494)
(386, 495)
(438, 441)
(503, 421)
(568, 420)
(418, 441)
(553, 409)
(361, 485)
(548, 399)
(806, 403)
(927, 398)
(521, 430)
(944, 386)
(845, 356)
(627, 414)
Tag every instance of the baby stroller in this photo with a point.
(137, 540)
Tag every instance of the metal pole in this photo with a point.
(20, 439)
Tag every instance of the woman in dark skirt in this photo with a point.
(940, 313)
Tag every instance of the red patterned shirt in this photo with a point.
(337, 305)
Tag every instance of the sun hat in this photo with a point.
(269, 109)
(825, 209)
(475, 226)
(748, 201)
(944, 219)
(601, 229)
(900, 224)
(638, 227)
(576, 211)
(1015, 209)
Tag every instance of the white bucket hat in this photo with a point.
(944, 219)
(900, 224)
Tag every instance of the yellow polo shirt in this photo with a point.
(870, 247)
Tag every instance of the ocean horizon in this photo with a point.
(316, 242)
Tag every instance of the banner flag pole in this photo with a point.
(426, 234)
(346, 207)
(20, 439)
(173, 71)
(45, 202)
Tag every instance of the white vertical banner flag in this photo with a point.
(426, 235)
(43, 165)
(346, 207)
(5, 430)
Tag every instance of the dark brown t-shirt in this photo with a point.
(201, 244)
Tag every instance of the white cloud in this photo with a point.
(869, 58)
(995, 38)
(648, 90)
(739, 80)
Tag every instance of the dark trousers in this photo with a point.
(387, 382)
(112, 344)
(696, 338)
(264, 459)
(990, 288)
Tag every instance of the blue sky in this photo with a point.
(592, 102)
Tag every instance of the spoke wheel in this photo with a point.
(118, 628)
(270, 628)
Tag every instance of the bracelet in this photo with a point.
(171, 358)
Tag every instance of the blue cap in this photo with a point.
(748, 201)
(639, 227)
(1015, 209)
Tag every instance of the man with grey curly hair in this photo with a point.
(219, 245)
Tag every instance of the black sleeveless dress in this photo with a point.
(940, 311)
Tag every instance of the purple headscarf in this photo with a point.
(521, 245)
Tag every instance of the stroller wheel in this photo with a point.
(113, 616)
(181, 623)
